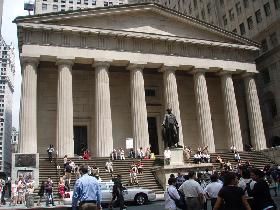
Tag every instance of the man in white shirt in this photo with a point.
(171, 194)
(246, 183)
(211, 190)
(193, 192)
(167, 156)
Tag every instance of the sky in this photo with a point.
(12, 9)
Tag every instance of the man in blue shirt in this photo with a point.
(87, 191)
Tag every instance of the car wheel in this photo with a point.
(141, 199)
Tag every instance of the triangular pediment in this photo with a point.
(140, 18)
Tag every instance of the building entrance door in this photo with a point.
(153, 135)
(80, 139)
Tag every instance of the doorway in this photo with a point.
(80, 139)
(153, 135)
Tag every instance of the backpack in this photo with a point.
(248, 189)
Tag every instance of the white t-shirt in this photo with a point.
(167, 154)
(191, 188)
(242, 183)
(169, 202)
(213, 189)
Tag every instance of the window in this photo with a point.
(203, 14)
(225, 20)
(273, 39)
(238, 8)
(190, 8)
(150, 92)
(209, 8)
(86, 2)
(234, 31)
(70, 8)
(55, 8)
(110, 3)
(258, 15)
(246, 3)
(221, 2)
(242, 29)
(63, 1)
(44, 6)
(267, 9)
(277, 4)
(231, 14)
(250, 23)
(70, 1)
(264, 45)
(105, 3)
(78, 1)
(55, 0)
(93, 2)
(195, 4)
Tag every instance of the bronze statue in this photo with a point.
(170, 131)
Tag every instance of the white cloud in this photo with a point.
(12, 9)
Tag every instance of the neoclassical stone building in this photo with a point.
(94, 77)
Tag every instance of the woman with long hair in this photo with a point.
(230, 196)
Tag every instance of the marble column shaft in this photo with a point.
(65, 138)
(138, 108)
(103, 123)
(28, 108)
(203, 112)
(171, 97)
(255, 118)
(231, 112)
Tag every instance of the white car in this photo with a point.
(137, 195)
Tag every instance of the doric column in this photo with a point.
(138, 107)
(103, 123)
(171, 96)
(203, 111)
(64, 125)
(28, 108)
(255, 118)
(231, 112)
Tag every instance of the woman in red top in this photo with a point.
(61, 190)
(86, 155)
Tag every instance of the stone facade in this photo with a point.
(124, 72)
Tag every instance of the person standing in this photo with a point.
(193, 192)
(231, 196)
(261, 194)
(171, 194)
(212, 189)
(117, 193)
(87, 191)
(49, 192)
(50, 151)
(167, 156)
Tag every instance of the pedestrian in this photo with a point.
(64, 161)
(212, 189)
(41, 192)
(49, 192)
(179, 180)
(171, 195)
(167, 156)
(117, 193)
(261, 194)
(14, 193)
(193, 192)
(231, 196)
(247, 184)
(61, 190)
(50, 151)
(87, 191)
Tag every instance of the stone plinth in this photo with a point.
(26, 165)
(162, 174)
(177, 158)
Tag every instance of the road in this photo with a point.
(158, 205)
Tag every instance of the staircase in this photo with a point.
(257, 159)
(122, 167)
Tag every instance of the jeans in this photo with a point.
(49, 199)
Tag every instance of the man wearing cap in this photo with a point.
(171, 129)
(87, 191)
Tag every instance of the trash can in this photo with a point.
(29, 199)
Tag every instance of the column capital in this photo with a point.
(33, 60)
(225, 73)
(168, 68)
(132, 67)
(68, 62)
(247, 74)
(199, 70)
(105, 64)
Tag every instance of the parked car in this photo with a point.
(137, 195)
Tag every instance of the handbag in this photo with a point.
(180, 203)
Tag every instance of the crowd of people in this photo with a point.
(119, 154)
(243, 188)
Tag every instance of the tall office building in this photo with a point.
(45, 6)
(1, 13)
(7, 71)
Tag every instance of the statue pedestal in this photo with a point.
(177, 158)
